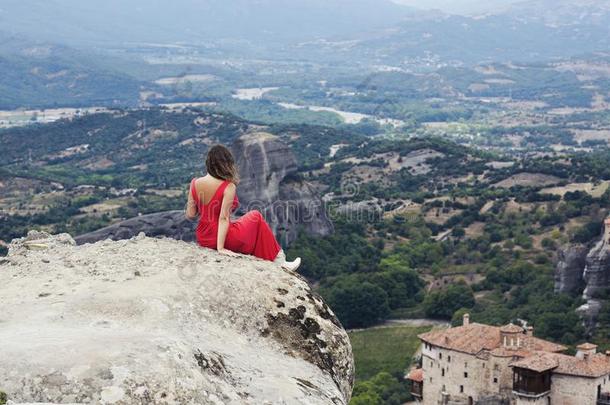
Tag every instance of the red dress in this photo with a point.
(249, 234)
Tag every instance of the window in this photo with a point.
(465, 375)
(440, 356)
(442, 372)
(465, 365)
(448, 359)
(461, 388)
(430, 379)
(495, 380)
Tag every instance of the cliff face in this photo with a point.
(581, 266)
(570, 268)
(596, 275)
(268, 183)
(263, 161)
(298, 207)
(597, 269)
(159, 321)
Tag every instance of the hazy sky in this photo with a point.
(460, 6)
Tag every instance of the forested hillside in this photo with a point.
(45, 75)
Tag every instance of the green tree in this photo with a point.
(403, 286)
(443, 303)
(365, 394)
(458, 316)
(357, 305)
(382, 389)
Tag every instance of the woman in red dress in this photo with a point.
(213, 197)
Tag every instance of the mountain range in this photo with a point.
(41, 74)
(380, 29)
(119, 22)
(70, 52)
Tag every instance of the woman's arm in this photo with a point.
(223, 219)
(190, 210)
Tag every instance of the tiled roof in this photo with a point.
(416, 375)
(510, 352)
(538, 362)
(475, 337)
(470, 338)
(529, 344)
(596, 365)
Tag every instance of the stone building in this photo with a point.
(483, 364)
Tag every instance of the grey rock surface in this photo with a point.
(264, 161)
(269, 183)
(570, 268)
(597, 279)
(597, 268)
(589, 312)
(172, 224)
(161, 321)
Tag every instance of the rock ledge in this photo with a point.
(160, 321)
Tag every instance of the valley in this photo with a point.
(430, 224)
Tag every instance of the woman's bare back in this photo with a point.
(206, 187)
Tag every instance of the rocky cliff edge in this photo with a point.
(160, 321)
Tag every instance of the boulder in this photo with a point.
(162, 321)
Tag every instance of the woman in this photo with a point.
(213, 197)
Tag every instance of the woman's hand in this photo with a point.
(227, 252)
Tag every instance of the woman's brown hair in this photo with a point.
(221, 164)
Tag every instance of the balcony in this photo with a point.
(416, 379)
(417, 389)
(531, 384)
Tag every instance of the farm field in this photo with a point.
(385, 349)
